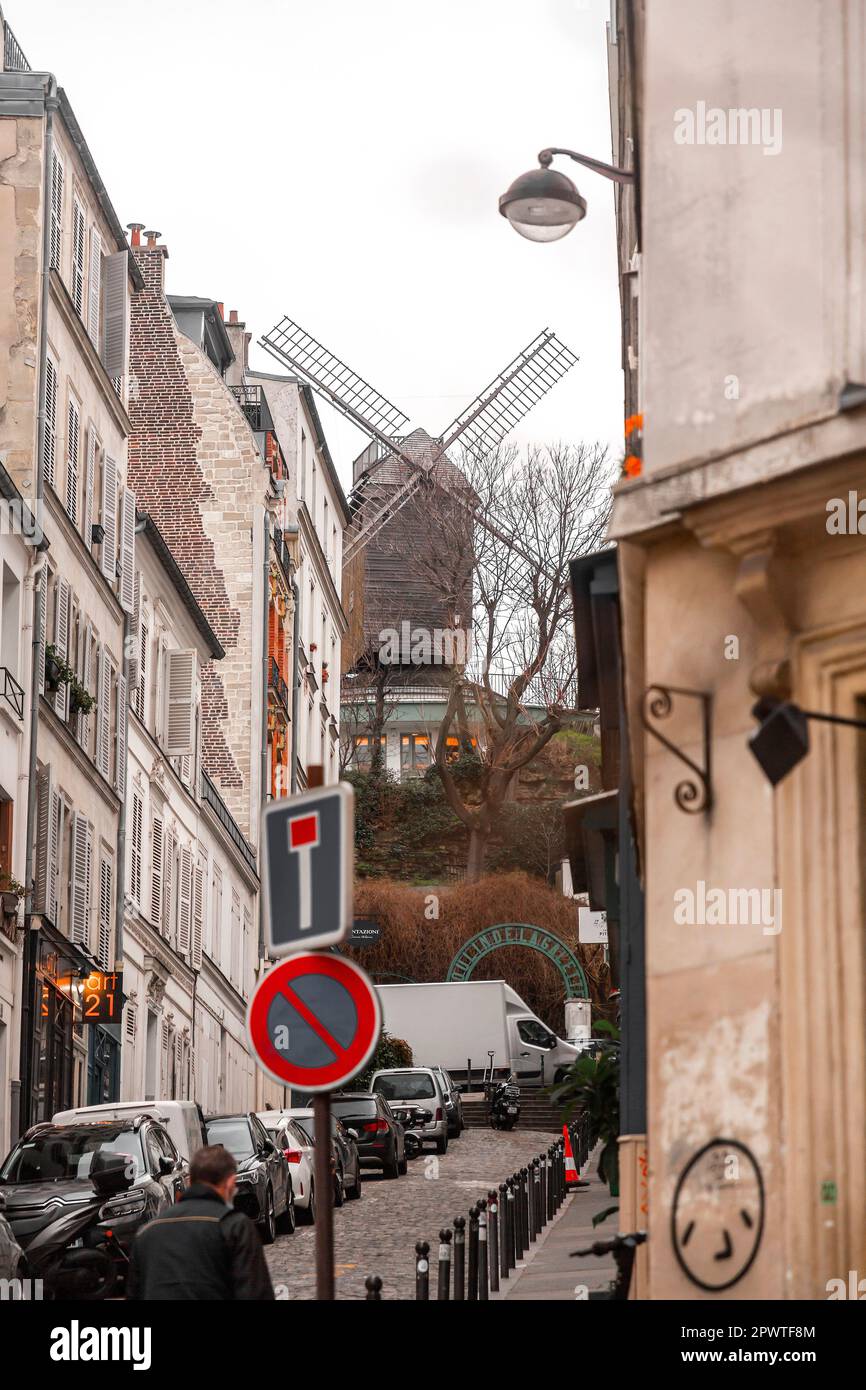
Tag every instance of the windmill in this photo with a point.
(399, 473)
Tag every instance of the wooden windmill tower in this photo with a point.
(399, 476)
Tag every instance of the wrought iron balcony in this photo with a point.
(11, 692)
(13, 57)
(280, 688)
(212, 798)
(253, 403)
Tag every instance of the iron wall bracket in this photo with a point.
(693, 794)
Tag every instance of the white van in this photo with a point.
(182, 1118)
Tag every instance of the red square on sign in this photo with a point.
(304, 830)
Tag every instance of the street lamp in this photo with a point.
(544, 205)
(781, 740)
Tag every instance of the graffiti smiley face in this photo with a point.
(717, 1219)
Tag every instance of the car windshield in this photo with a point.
(405, 1085)
(364, 1107)
(233, 1135)
(59, 1155)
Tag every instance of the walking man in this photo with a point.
(202, 1249)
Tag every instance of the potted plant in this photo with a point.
(57, 672)
(591, 1087)
(11, 893)
(79, 698)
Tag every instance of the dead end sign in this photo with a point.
(314, 1021)
(308, 849)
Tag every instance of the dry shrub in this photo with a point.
(422, 948)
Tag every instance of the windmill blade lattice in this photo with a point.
(512, 394)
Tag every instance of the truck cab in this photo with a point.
(538, 1056)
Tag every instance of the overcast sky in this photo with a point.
(340, 161)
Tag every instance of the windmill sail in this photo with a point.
(512, 394)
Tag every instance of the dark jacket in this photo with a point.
(201, 1249)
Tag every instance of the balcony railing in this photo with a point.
(281, 553)
(11, 692)
(252, 402)
(279, 687)
(13, 57)
(211, 796)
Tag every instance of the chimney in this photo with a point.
(151, 257)
(240, 342)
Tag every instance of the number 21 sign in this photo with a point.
(102, 997)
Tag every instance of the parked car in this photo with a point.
(416, 1086)
(264, 1189)
(298, 1153)
(345, 1159)
(48, 1169)
(381, 1140)
(453, 1104)
(182, 1118)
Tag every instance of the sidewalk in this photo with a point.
(548, 1273)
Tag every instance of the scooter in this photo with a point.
(504, 1105)
(77, 1255)
(409, 1118)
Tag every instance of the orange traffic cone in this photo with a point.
(572, 1177)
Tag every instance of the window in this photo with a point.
(49, 435)
(217, 915)
(141, 687)
(180, 703)
(94, 288)
(10, 632)
(363, 752)
(535, 1033)
(82, 861)
(414, 754)
(235, 945)
(56, 212)
(79, 238)
(303, 488)
(108, 517)
(6, 814)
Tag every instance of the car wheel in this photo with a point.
(268, 1224)
(339, 1190)
(391, 1169)
(442, 1144)
(356, 1190)
(289, 1220)
(402, 1165)
(307, 1214)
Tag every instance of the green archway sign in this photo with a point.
(521, 934)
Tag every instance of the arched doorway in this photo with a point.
(521, 934)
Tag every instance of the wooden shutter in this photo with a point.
(198, 915)
(103, 951)
(86, 677)
(156, 873)
(89, 477)
(56, 212)
(129, 1020)
(121, 737)
(184, 920)
(133, 664)
(49, 435)
(42, 619)
(108, 556)
(168, 886)
(115, 313)
(79, 238)
(47, 844)
(180, 684)
(127, 552)
(73, 425)
(82, 860)
(61, 642)
(103, 714)
(94, 288)
(135, 856)
(141, 689)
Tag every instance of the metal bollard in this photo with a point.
(472, 1270)
(443, 1292)
(530, 1199)
(459, 1258)
(373, 1285)
(422, 1271)
(483, 1252)
(524, 1206)
(504, 1261)
(493, 1238)
(548, 1185)
(517, 1219)
(510, 1244)
(536, 1201)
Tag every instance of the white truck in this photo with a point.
(457, 1025)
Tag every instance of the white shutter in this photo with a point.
(42, 619)
(78, 254)
(198, 915)
(108, 554)
(49, 436)
(56, 211)
(94, 289)
(73, 425)
(156, 873)
(89, 477)
(133, 665)
(141, 689)
(116, 309)
(167, 886)
(185, 902)
(61, 643)
(121, 737)
(135, 856)
(130, 1019)
(47, 844)
(180, 684)
(86, 676)
(103, 714)
(82, 860)
(103, 950)
(127, 552)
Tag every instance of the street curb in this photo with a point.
(507, 1286)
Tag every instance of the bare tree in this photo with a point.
(509, 549)
(367, 705)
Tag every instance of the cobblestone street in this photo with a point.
(377, 1234)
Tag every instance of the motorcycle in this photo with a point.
(503, 1107)
(409, 1118)
(77, 1255)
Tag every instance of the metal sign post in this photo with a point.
(321, 1117)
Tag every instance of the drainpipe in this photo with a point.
(28, 957)
(120, 895)
(296, 677)
(266, 589)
